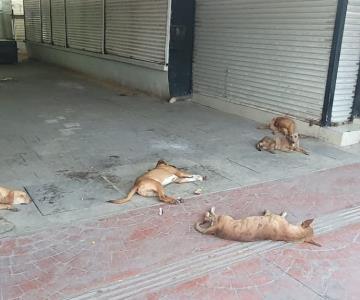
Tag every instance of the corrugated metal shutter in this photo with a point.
(137, 29)
(58, 22)
(32, 20)
(348, 64)
(85, 24)
(46, 21)
(272, 55)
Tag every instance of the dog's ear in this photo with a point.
(307, 223)
(212, 210)
(161, 162)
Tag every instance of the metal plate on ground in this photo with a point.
(72, 194)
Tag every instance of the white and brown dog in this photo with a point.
(9, 198)
(152, 183)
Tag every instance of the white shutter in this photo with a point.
(58, 22)
(272, 55)
(137, 29)
(348, 64)
(85, 24)
(46, 21)
(32, 20)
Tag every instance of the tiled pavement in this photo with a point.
(63, 262)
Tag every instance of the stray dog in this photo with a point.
(9, 198)
(152, 183)
(284, 125)
(282, 143)
(267, 227)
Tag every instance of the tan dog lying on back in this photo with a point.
(9, 198)
(268, 227)
(152, 183)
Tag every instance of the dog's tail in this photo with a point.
(265, 126)
(127, 198)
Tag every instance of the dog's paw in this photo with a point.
(179, 201)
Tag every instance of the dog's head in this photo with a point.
(309, 232)
(162, 162)
(293, 138)
(21, 197)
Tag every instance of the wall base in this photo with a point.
(341, 136)
(142, 78)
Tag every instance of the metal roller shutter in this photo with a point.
(84, 20)
(58, 22)
(137, 29)
(348, 64)
(46, 21)
(32, 20)
(267, 54)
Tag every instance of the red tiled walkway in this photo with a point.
(300, 272)
(62, 262)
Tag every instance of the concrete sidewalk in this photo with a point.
(142, 255)
(74, 143)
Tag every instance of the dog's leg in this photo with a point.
(210, 230)
(283, 214)
(190, 178)
(302, 150)
(267, 212)
(273, 128)
(271, 151)
(7, 207)
(185, 175)
(159, 189)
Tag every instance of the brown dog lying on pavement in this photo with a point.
(285, 125)
(152, 183)
(9, 198)
(282, 143)
(267, 227)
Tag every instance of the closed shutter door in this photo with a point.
(137, 29)
(32, 20)
(85, 24)
(46, 21)
(348, 64)
(272, 55)
(58, 22)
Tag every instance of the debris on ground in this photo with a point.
(161, 211)
(6, 79)
(198, 192)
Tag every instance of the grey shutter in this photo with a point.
(137, 29)
(46, 21)
(58, 22)
(272, 55)
(32, 20)
(85, 24)
(348, 64)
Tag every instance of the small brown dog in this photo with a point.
(285, 125)
(282, 143)
(267, 227)
(9, 198)
(152, 183)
